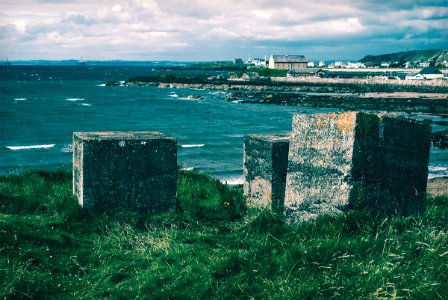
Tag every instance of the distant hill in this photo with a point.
(435, 57)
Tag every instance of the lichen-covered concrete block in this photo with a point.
(129, 170)
(357, 160)
(265, 165)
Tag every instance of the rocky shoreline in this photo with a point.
(312, 93)
(435, 105)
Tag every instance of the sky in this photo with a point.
(206, 30)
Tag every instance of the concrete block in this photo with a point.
(128, 170)
(338, 161)
(265, 165)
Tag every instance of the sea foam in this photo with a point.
(188, 169)
(30, 147)
(192, 146)
(233, 180)
(68, 148)
(20, 99)
(75, 99)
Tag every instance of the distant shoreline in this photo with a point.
(347, 94)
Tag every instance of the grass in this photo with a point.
(213, 248)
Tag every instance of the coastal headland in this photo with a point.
(347, 94)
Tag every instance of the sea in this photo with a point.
(41, 105)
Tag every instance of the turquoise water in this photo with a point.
(42, 106)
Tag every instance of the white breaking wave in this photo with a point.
(86, 104)
(103, 84)
(30, 147)
(75, 99)
(437, 171)
(192, 145)
(437, 168)
(188, 169)
(233, 180)
(20, 99)
(68, 148)
(174, 95)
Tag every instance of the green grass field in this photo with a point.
(213, 248)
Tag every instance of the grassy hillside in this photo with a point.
(407, 56)
(50, 248)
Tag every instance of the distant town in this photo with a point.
(412, 65)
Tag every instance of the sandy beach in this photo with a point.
(437, 186)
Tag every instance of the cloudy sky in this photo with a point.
(199, 30)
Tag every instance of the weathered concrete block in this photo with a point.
(130, 170)
(356, 160)
(265, 165)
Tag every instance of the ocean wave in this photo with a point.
(86, 104)
(437, 168)
(188, 169)
(20, 99)
(437, 171)
(174, 95)
(68, 148)
(192, 146)
(102, 84)
(75, 99)
(47, 146)
(233, 180)
(191, 97)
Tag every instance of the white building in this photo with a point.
(429, 73)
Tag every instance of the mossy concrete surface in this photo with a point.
(265, 165)
(356, 160)
(131, 170)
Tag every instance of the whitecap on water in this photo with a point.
(20, 99)
(437, 171)
(233, 180)
(188, 169)
(86, 104)
(47, 146)
(192, 146)
(75, 99)
(68, 148)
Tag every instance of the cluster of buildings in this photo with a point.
(299, 66)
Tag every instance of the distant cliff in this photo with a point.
(434, 57)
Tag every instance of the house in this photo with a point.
(310, 72)
(417, 76)
(259, 62)
(310, 64)
(423, 64)
(428, 73)
(431, 73)
(322, 64)
(287, 62)
(403, 75)
(338, 64)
